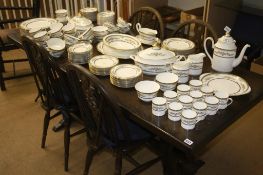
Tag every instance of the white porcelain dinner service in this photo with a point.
(119, 45)
(146, 35)
(80, 53)
(180, 46)
(90, 13)
(102, 64)
(147, 90)
(105, 16)
(125, 75)
(166, 80)
(56, 46)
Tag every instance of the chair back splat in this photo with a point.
(196, 31)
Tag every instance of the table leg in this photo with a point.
(176, 162)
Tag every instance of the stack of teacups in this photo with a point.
(224, 99)
(99, 32)
(201, 109)
(166, 80)
(62, 15)
(195, 84)
(146, 35)
(181, 68)
(186, 101)
(90, 13)
(106, 16)
(159, 106)
(183, 89)
(207, 91)
(188, 119)
(56, 46)
(56, 30)
(196, 95)
(171, 96)
(41, 37)
(212, 105)
(175, 111)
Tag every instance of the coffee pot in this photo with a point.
(224, 52)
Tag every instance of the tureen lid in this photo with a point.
(154, 53)
(226, 42)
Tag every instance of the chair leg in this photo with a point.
(118, 163)
(46, 123)
(89, 158)
(2, 81)
(67, 123)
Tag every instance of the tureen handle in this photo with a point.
(138, 27)
(132, 57)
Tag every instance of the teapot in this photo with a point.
(224, 52)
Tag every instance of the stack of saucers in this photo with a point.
(80, 53)
(125, 75)
(106, 16)
(102, 64)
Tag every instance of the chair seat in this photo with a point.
(5, 32)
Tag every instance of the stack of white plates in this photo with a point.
(180, 46)
(101, 64)
(90, 13)
(80, 53)
(125, 75)
(81, 23)
(106, 16)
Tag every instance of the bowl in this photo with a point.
(147, 90)
(56, 44)
(166, 80)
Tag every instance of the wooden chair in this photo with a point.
(148, 17)
(196, 31)
(105, 121)
(56, 91)
(8, 26)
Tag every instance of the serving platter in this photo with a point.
(232, 84)
(42, 23)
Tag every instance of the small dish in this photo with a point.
(166, 80)
(56, 44)
(147, 90)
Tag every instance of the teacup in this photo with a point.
(174, 111)
(183, 89)
(200, 108)
(224, 99)
(159, 106)
(212, 105)
(181, 69)
(207, 91)
(188, 119)
(186, 100)
(195, 84)
(196, 95)
(171, 96)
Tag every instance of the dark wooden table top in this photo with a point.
(171, 131)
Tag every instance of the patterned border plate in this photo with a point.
(230, 83)
(37, 22)
(126, 71)
(179, 44)
(103, 61)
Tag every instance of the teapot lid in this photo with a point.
(226, 42)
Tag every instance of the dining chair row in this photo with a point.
(77, 94)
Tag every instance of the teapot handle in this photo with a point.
(211, 39)
(138, 27)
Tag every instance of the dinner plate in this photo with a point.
(179, 45)
(126, 71)
(232, 84)
(43, 23)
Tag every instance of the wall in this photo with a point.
(186, 4)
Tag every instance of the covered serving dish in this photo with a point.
(154, 60)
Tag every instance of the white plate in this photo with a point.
(103, 61)
(56, 44)
(179, 44)
(126, 71)
(232, 84)
(43, 23)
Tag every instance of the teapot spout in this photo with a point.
(238, 60)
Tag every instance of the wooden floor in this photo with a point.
(238, 150)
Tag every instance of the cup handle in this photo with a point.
(229, 101)
(138, 27)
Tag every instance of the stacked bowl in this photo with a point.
(99, 32)
(80, 53)
(125, 75)
(56, 46)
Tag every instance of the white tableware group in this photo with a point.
(146, 35)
